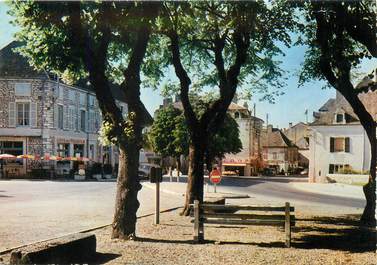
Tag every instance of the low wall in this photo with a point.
(347, 178)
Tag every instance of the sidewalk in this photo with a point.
(179, 188)
(332, 189)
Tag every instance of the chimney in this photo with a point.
(290, 125)
(269, 128)
(166, 102)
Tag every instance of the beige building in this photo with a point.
(298, 134)
(279, 152)
(249, 160)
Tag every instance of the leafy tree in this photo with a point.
(224, 45)
(340, 35)
(95, 40)
(170, 137)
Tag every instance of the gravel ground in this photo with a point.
(315, 240)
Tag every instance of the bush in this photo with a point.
(349, 170)
(107, 169)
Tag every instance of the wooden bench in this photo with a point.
(211, 214)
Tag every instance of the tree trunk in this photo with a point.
(128, 186)
(178, 163)
(195, 181)
(368, 217)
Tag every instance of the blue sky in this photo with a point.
(289, 107)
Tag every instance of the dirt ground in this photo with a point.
(315, 240)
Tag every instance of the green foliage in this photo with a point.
(200, 24)
(170, 136)
(339, 40)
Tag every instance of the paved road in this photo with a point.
(279, 187)
(36, 210)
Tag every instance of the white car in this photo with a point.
(145, 170)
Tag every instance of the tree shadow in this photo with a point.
(101, 258)
(343, 233)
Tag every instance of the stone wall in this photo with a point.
(347, 178)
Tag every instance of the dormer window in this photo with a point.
(340, 118)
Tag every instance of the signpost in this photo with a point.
(156, 177)
(215, 177)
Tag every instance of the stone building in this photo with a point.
(279, 153)
(40, 115)
(298, 134)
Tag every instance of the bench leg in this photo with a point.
(198, 224)
(287, 225)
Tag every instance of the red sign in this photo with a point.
(215, 176)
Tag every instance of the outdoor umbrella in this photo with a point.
(26, 156)
(7, 156)
(56, 158)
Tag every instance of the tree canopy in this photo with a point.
(170, 137)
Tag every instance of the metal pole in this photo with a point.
(157, 210)
(215, 187)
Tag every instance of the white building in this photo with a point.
(337, 140)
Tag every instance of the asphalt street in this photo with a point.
(279, 188)
(31, 211)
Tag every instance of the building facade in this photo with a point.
(249, 160)
(338, 142)
(279, 153)
(42, 116)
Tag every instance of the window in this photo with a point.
(60, 116)
(339, 144)
(274, 156)
(23, 89)
(236, 115)
(91, 100)
(337, 168)
(23, 114)
(82, 124)
(339, 118)
(72, 95)
(63, 150)
(82, 99)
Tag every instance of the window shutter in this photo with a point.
(332, 144)
(12, 114)
(33, 114)
(56, 116)
(65, 118)
(347, 144)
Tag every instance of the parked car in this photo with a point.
(229, 173)
(145, 170)
(304, 172)
(268, 172)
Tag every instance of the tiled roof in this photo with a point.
(13, 65)
(340, 105)
(276, 138)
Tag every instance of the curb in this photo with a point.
(328, 193)
(152, 186)
(227, 195)
(82, 231)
